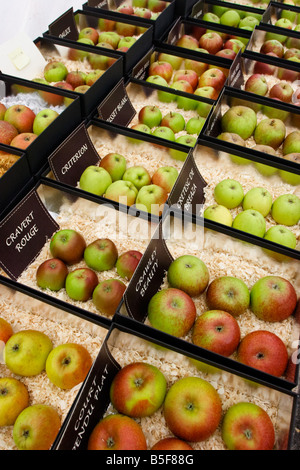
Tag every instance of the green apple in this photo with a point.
(281, 235)
(110, 37)
(188, 273)
(55, 71)
(187, 140)
(173, 120)
(101, 254)
(230, 18)
(229, 193)
(95, 179)
(218, 213)
(195, 124)
(150, 115)
(123, 192)
(43, 119)
(115, 164)
(80, 284)
(286, 209)
(36, 427)
(26, 351)
(165, 176)
(288, 176)
(270, 132)
(137, 175)
(239, 120)
(151, 198)
(250, 221)
(259, 199)
(291, 143)
(14, 397)
(67, 365)
(164, 132)
(174, 60)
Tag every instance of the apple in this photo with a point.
(26, 351)
(290, 53)
(165, 177)
(283, 91)
(55, 71)
(235, 44)
(21, 117)
(189, 274)
(189, 75)
(183, 102)
(213, 77)
(229, 193)
(138, 390)
(95, 179)
(218, 213)
(210, 16)
(174, 121)
(80, 284)
(270, 132)
(157, 6)
(101, 254)
(287, 176)
(117, 432)
(67, 245)
(239, 120)
(105, 24)
(2, 111)
(14, 397)
(104, 45)
(90, 33)
(250, 221)
(188, 42)
(230, 18)
(195, 125)
(259, 199)
(127, 263)
(247, 426)
(248, 21)
(287, 74)
(79, 55)
(286, 209)
(172, 311)
(43, 119)
(273, 298)
(174, 60)
(82, 89)
(257, 84)
(151, 198)
(150, 115)
(140, 128)
(67, 365)
(202, 108)
(228, 293)
(36, 427)
(192, 409)
(265, 351)
(171, 443)
(125, 29)
(23, 140)
(157, 79)
(51, 274)
(93, 76)
(114, 164)
(6, 330)
(110, 37)
(196, 66)
(217, 331)
(164, 132)
(189, 141)
(236, 140)
(291, 143)
(263, 68)
(107, 295)
(161, 68)
(143, 13)
(274, 113)
(274, 46)
(123, 192)
(7, 132)
(139, 4)
(281, 235)
(97, 62)
(226, 53)
(126, 42)
(211, 42)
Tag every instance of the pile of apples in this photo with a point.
(232, 17)
(140, 390)
(271, 299)
(129, 185)
(282, 90)
(68, 248)
(256, 205)
(28, 353)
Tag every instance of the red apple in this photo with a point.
(127, 263)
(108, 294)
(226, 53)
(207, 91)
(126, 9)
(21, 117)
(287, 74)
(104, 24)
(76, 78)
(264, 68)
(198, 67)
(274, 46)
(7, 132)
(67, 245)
(218, 331)
(189, 75)
(283, 91)
(211, 42)
(51, 274)
(257, 84)
(171, 443)
(117, 432)
(2, 111)
(212, 77)
(89, 33)
(188, 42)
(234, 44)
(23, 140)
(264, 351)
(161, 68)
(228, 293)
(6, 330)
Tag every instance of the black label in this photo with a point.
(148, 277)
(98, 4)
(23, 233)
(175, 33)
(188, 192)
(236, 77)
(65, 26)
(139, 72)
(91, 403)
(116, 107)
(71, 158)
(197, 10)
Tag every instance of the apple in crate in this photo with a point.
(273, 298)
(211, 42)
(257, 84)
(123, 192)
(259, 199)
(189, 274)
(21, 117)
(217, 331)
(174, 121)
(188, 42)
(264, 351)
(36, 427)
(43, 119)
(192, 409)
(247, 426)
(127, 263)
(218, 213)
(239, 120)
(76, 78)
(90, 33)
(26, 351)
(291, 143)
(107, 295)
(51, 274)
(228, 293)
(171, 443)
(7, 132)
(115, 164)
(6, 330)
(138, 176)
(55, 71)
(101, 254)
(173, 311)
(286, 209)
(68, 365)
(287, 176)
(3, 108)
(68, 245)
(229, 193)
(23, 140)
(165, 177)
(117, 432)
(151, 198)
(14, 397)
(151, 116)
(138, 390)
(81, 283)
(95, 179)
(213, 77)
(281, 235)
(250, 221)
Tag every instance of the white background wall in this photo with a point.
(31, 16)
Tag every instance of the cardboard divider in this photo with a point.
(83, 19)
(159, 23)
(225, 254)
(124, 346)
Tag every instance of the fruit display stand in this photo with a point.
(24, 311)
(126, 162)
(171, 365)
(52, 122)
(69, 25)
(222, 254)
(282, 15)
(158, 14)
(27, 231)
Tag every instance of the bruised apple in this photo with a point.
(108, 294)
(68, 245)
(117, 432)
(138, 390)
